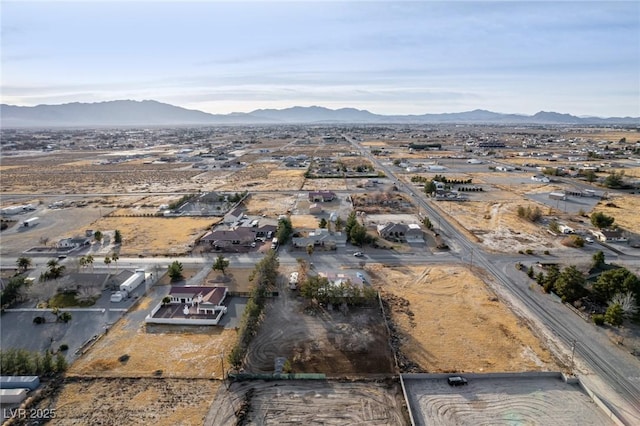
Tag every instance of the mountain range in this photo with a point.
(153, 113)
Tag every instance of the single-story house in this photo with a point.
(400, 232)
(240, 236)
(75, 242)
(322, 196)
(206, 299)
(320, 237)
(609, 235)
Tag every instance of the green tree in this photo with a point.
(284, 230)
(358, 235)
(97, 236)
(601, 220)
(23, 263)
(175, 271)
(54, 269)
(550, 279)
(590, 176)
(430, 187)
(339, 224)
(115, 257)
(427, 223)
(235, 357)
(570, 284)
(166, 300)
(614, 281)
(322, 223)
(310, 249)
(60, 363)
(220, 264)
(614, 180)
(107, 261)
(117, 237)
(13, 291)
(351, 222)
(89, 258)
(614, 315)
(598, 261)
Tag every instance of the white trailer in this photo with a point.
(31, 222)
(133, 281)
(13, 396)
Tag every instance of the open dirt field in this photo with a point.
(337, 184)
(59, 174)
(236, 279)
(271, 205)
(317, 402)
(448, 320)
(264, 177)
(626, 212)
(521, 401)
(319, 341)
(116, 401)
(150, 236)
(497, 225)
(178, 352)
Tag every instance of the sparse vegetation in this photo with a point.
(531, 214)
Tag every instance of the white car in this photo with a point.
(358, 254)
(589, 240)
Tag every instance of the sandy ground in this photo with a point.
(271, 205)
(448, 321)
(626, 212)
(178, 352)
(305, 221)
(154, 235)
(116, 401)
(264, 177)
(497, 225)
(316, 402)
(521, 401)
(337, 184)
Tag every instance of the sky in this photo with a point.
(387, 57)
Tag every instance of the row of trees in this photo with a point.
(265, 275)
(20, 362)
(320, 290)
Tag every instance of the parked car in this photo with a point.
(589, 240)
(358, 254)
(361, 276)
(457, 381)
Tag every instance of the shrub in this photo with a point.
(529, 251)
(598, 319)
(63, 347)
(39, 320)
(547, 252)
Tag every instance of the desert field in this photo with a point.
(150, 236)
(123, 401)
(625, 212)
(264, 177)
(337, 184)
(270, 205)
(447, 320)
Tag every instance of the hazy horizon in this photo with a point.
(390, 58)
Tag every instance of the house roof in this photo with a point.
(392, 227)
(238, 234)
(237, 212)
(210, 295)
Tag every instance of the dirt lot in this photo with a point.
(153, 235)
(484, 401)
(236, 279)
(178, 352)
(319, 341)
(271, 205)
(310, 402)
(337, 184)
(264, 177)
(116, 401)
(448, 320)
(626, 212)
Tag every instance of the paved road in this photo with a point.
(617, 368)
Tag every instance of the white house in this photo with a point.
(206, 299)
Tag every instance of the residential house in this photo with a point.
(206, 299)
(609, 235)
(75, 242)
(321, 238)
(400, 232)
(322, 196)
